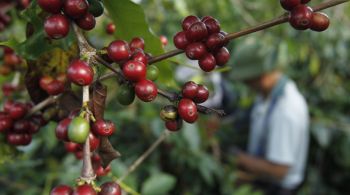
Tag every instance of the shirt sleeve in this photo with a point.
(283, 140)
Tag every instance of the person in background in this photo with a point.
(279, 122)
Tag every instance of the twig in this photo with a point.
(279, 20)
(43, 104)
(206, 110)
(134, 165)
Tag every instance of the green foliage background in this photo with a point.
(185, 163)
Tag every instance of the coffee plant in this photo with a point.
(59, 73)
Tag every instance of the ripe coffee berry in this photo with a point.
(103, 127)
(56, 26)
(319, 22)
(163, 40)
(87, 22)
(110, 188)
(206, 18)
(188, 21)
(137, 42)
(202, 94)
(61, 190)
(196, 51)
(119, 51)
(55, 87)
(146, 90)
(71, 147)
(75, 8)
(197, 32)
(215, 41)
(213, 25)
(187, 110)
(207, 63)
(189, 90)
(84, 190)
(94, 142)
(222, 56)
(20, 126)
(289, 4)
(174, 125)
(51, 6)
(62, 129)
(5, 123)
(181, 41)
(17, 110)
(300, 17)
(80, 73)
(134, 71)
(140, 56)
(110, 28)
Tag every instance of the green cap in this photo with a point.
(252, 58)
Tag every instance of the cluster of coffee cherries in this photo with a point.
(17, 127)
(192, 94)
(53, 85)
(82, 12)
(203, 40)
(10, 61)
(133, 61)
(5, 19)
(107, 188)
(302, 17)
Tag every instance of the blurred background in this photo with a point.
(199, 158)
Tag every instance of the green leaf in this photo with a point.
(158, 184)
(130, 21)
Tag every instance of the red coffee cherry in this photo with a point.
(206, 18)
(80, 73)
(110, 28)
(94, 142)
(163, 40)
(300, 17)
(174, 125)
(56, 26)
(87, 22)
(215, 41)
(289, 4)
(319, 22)
(202, 95)
(137, 42)
(110, 188)
(140, 57)
(213, 25)
(134, 71)
(189, 90)
(84, 190)
(45, 81)
(146, 90)
(55, 87)
(61, 190)
(8, 89)
(71, 147)
(207, 63)
(187, 110)
(21, 126)
(78, 154)
(51, 6)
(12, 60)
(119, 51)
(188, 21)
(181, 41)
(33, 127)
(75, 8)
(222, 56)
(62, 129)
(6, 122)
(197, 32)
(196, 51)
(103, 127)
(17, 110)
